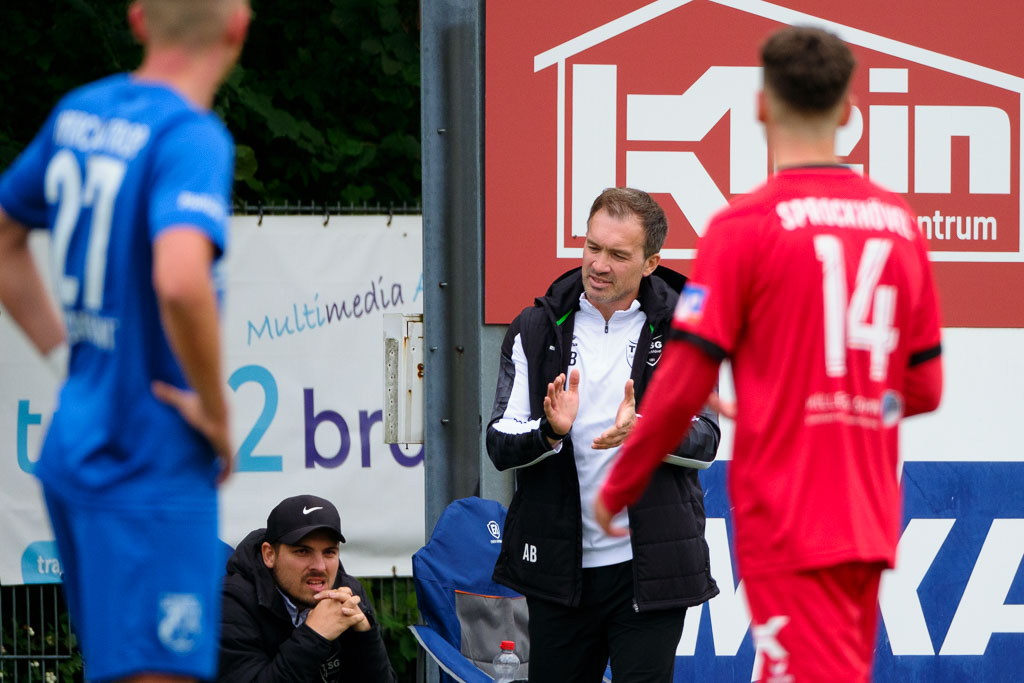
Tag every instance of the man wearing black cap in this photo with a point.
(290, 612)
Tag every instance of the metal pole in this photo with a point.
(451, 68)
(451, 58)
(452, 131)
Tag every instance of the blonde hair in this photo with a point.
(192, 23)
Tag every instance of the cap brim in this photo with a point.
(293, 537)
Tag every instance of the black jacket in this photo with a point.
(259, 642)
(671, 567)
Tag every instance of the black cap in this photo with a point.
(297, 516)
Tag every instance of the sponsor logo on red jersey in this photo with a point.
(690, 308)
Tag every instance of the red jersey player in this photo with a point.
(818, 289)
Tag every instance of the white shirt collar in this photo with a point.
(298, 616)
(589, 308)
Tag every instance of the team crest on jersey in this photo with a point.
(330, 670)
(180, 624)
(892, 408)
(654, 352)
(690, 308)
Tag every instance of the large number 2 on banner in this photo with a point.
(63, 181)
(846, 325)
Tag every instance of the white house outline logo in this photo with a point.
(701, 202)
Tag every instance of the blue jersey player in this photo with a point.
(131, 175)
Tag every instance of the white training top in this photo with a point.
(603, 353)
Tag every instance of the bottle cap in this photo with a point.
(508, 645)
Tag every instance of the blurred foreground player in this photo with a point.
(818, 289)
(132, 177)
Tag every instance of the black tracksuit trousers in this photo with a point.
(574, 644)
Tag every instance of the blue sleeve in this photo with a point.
(192, 177)
(22, 187)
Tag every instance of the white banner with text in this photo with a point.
(302, 329)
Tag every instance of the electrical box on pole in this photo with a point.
(403, 378)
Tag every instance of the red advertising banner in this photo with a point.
(661, 96)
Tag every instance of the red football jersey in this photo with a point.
(818, 288)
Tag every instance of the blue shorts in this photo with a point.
(142, 581)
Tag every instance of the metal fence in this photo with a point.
(36, 641)
(394, 600)
(326, 209)
(37, 644)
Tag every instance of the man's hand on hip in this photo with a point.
(213, 425)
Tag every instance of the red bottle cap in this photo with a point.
(508, 645)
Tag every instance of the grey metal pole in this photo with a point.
(451, 59)
(451, 69)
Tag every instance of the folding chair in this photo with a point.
(466, 614)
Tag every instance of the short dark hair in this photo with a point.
(807, 68)
(623, 202)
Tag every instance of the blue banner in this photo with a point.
(952, 611)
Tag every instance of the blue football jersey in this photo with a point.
(117, 162)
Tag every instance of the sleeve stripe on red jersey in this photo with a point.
(926, 355)
(713, 350)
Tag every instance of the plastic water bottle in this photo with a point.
(506, 663)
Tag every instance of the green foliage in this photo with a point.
(394, 603)
(23, 640)
(49, 47)
(324, 104)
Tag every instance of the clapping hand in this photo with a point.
(625, 420)
(562, 403)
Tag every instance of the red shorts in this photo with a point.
(816, 625)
